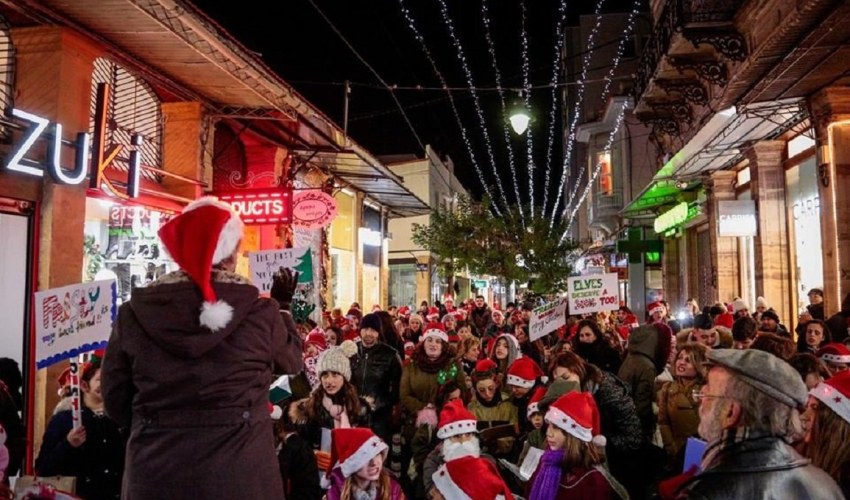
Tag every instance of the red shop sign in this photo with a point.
(261, 206)
(313, 209)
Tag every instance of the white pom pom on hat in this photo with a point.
(206, 233)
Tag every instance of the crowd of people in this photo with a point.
(450, 400)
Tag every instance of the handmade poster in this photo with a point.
(73, 319)
(593, 293)
(265, 263)
(547, 318)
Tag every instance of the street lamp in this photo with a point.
(519, 117)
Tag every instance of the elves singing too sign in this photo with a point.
(593, 293)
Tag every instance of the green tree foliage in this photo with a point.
(468, 235)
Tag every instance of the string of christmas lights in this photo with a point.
(585, 63)
(596, 170)
(447, 20)
(526, 95)
(419, 38)
(556, 57)
(621, 46)
(485, 16)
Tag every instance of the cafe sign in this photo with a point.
(313, 209)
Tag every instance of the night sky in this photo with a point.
(293, 39)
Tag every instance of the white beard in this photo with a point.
(452, 450)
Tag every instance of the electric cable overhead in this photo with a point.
(374, 72)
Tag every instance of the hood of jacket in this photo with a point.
(169, 311)
(644, 340)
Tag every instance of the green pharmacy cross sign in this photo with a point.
(635, 246)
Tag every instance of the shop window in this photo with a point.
(403, 285)
(606, 179)
(7, 74)
(133, 108)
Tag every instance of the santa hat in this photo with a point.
(353, 448)
(470, 478)
(409, 347)
(207, 232)
(484, 369)
(433, 314)
(835, 393)
(455, 419)
(404, 311)
(435, 329)
(655, 307)
(449, 299)
(461, 314)
(835, 353)
(534, 402)
(316, 337)
(739, 305)
(524, 372)
(576, 414)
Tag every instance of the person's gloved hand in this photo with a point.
(283, 286)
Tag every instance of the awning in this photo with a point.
(371, 177)
(718, 145)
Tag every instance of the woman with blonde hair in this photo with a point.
(829, 411)
(678, 410)
(468, 353)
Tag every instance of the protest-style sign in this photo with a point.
(74, 319)
(593, 293)
(547, 318)
(265, 263)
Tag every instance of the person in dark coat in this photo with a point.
(591, 344)
(299, 470)
(480, 317)
(10, 405)
(93, 452)
(188, 367)
(839, 323)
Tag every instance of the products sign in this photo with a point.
(72, 320)
(313, 209)
(547, 318)
(123, 217)
(595, 293)
(261, 206)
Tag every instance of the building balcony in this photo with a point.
(604, 211)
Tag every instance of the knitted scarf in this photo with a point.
(548, 478)
(428, 365)
(337, 412)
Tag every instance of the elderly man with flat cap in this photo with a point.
(749, 412)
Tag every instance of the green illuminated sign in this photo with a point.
(671, 218)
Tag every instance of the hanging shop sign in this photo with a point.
(313, 209)
(73, 319)
(21, 157)
(594, 293)
(261, 206)
(736, 218)
(671, 218)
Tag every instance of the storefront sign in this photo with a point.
(479, 284)
(671, 218)
(313, 208)
(20, 160)
(73, 319)
(261, 206)
(265, 263)
(547, 318)
(736, 218)
(595, 293)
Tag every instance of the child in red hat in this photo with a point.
(357, 461)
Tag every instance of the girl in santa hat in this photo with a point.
(358, 469)
(828, 416)
(571, 466)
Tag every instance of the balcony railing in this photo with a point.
(676, 16)
(605, 205)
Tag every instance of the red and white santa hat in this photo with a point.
(534, 402)
(404, 311)
(353, 448)
(835, 353)
(455, 419)
(470, 478)
(576, 414)
(433, 314)
(435, 329)
(207, 232)
(461, 314)
(524, 373)
(835, 393)
(655, 307)
(484, 369)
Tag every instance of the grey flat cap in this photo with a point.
(765, 372)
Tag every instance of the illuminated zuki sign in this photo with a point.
(262, 206)
(20, 160)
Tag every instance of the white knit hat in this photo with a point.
(334, 360)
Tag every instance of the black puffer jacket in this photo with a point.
(376, 373)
